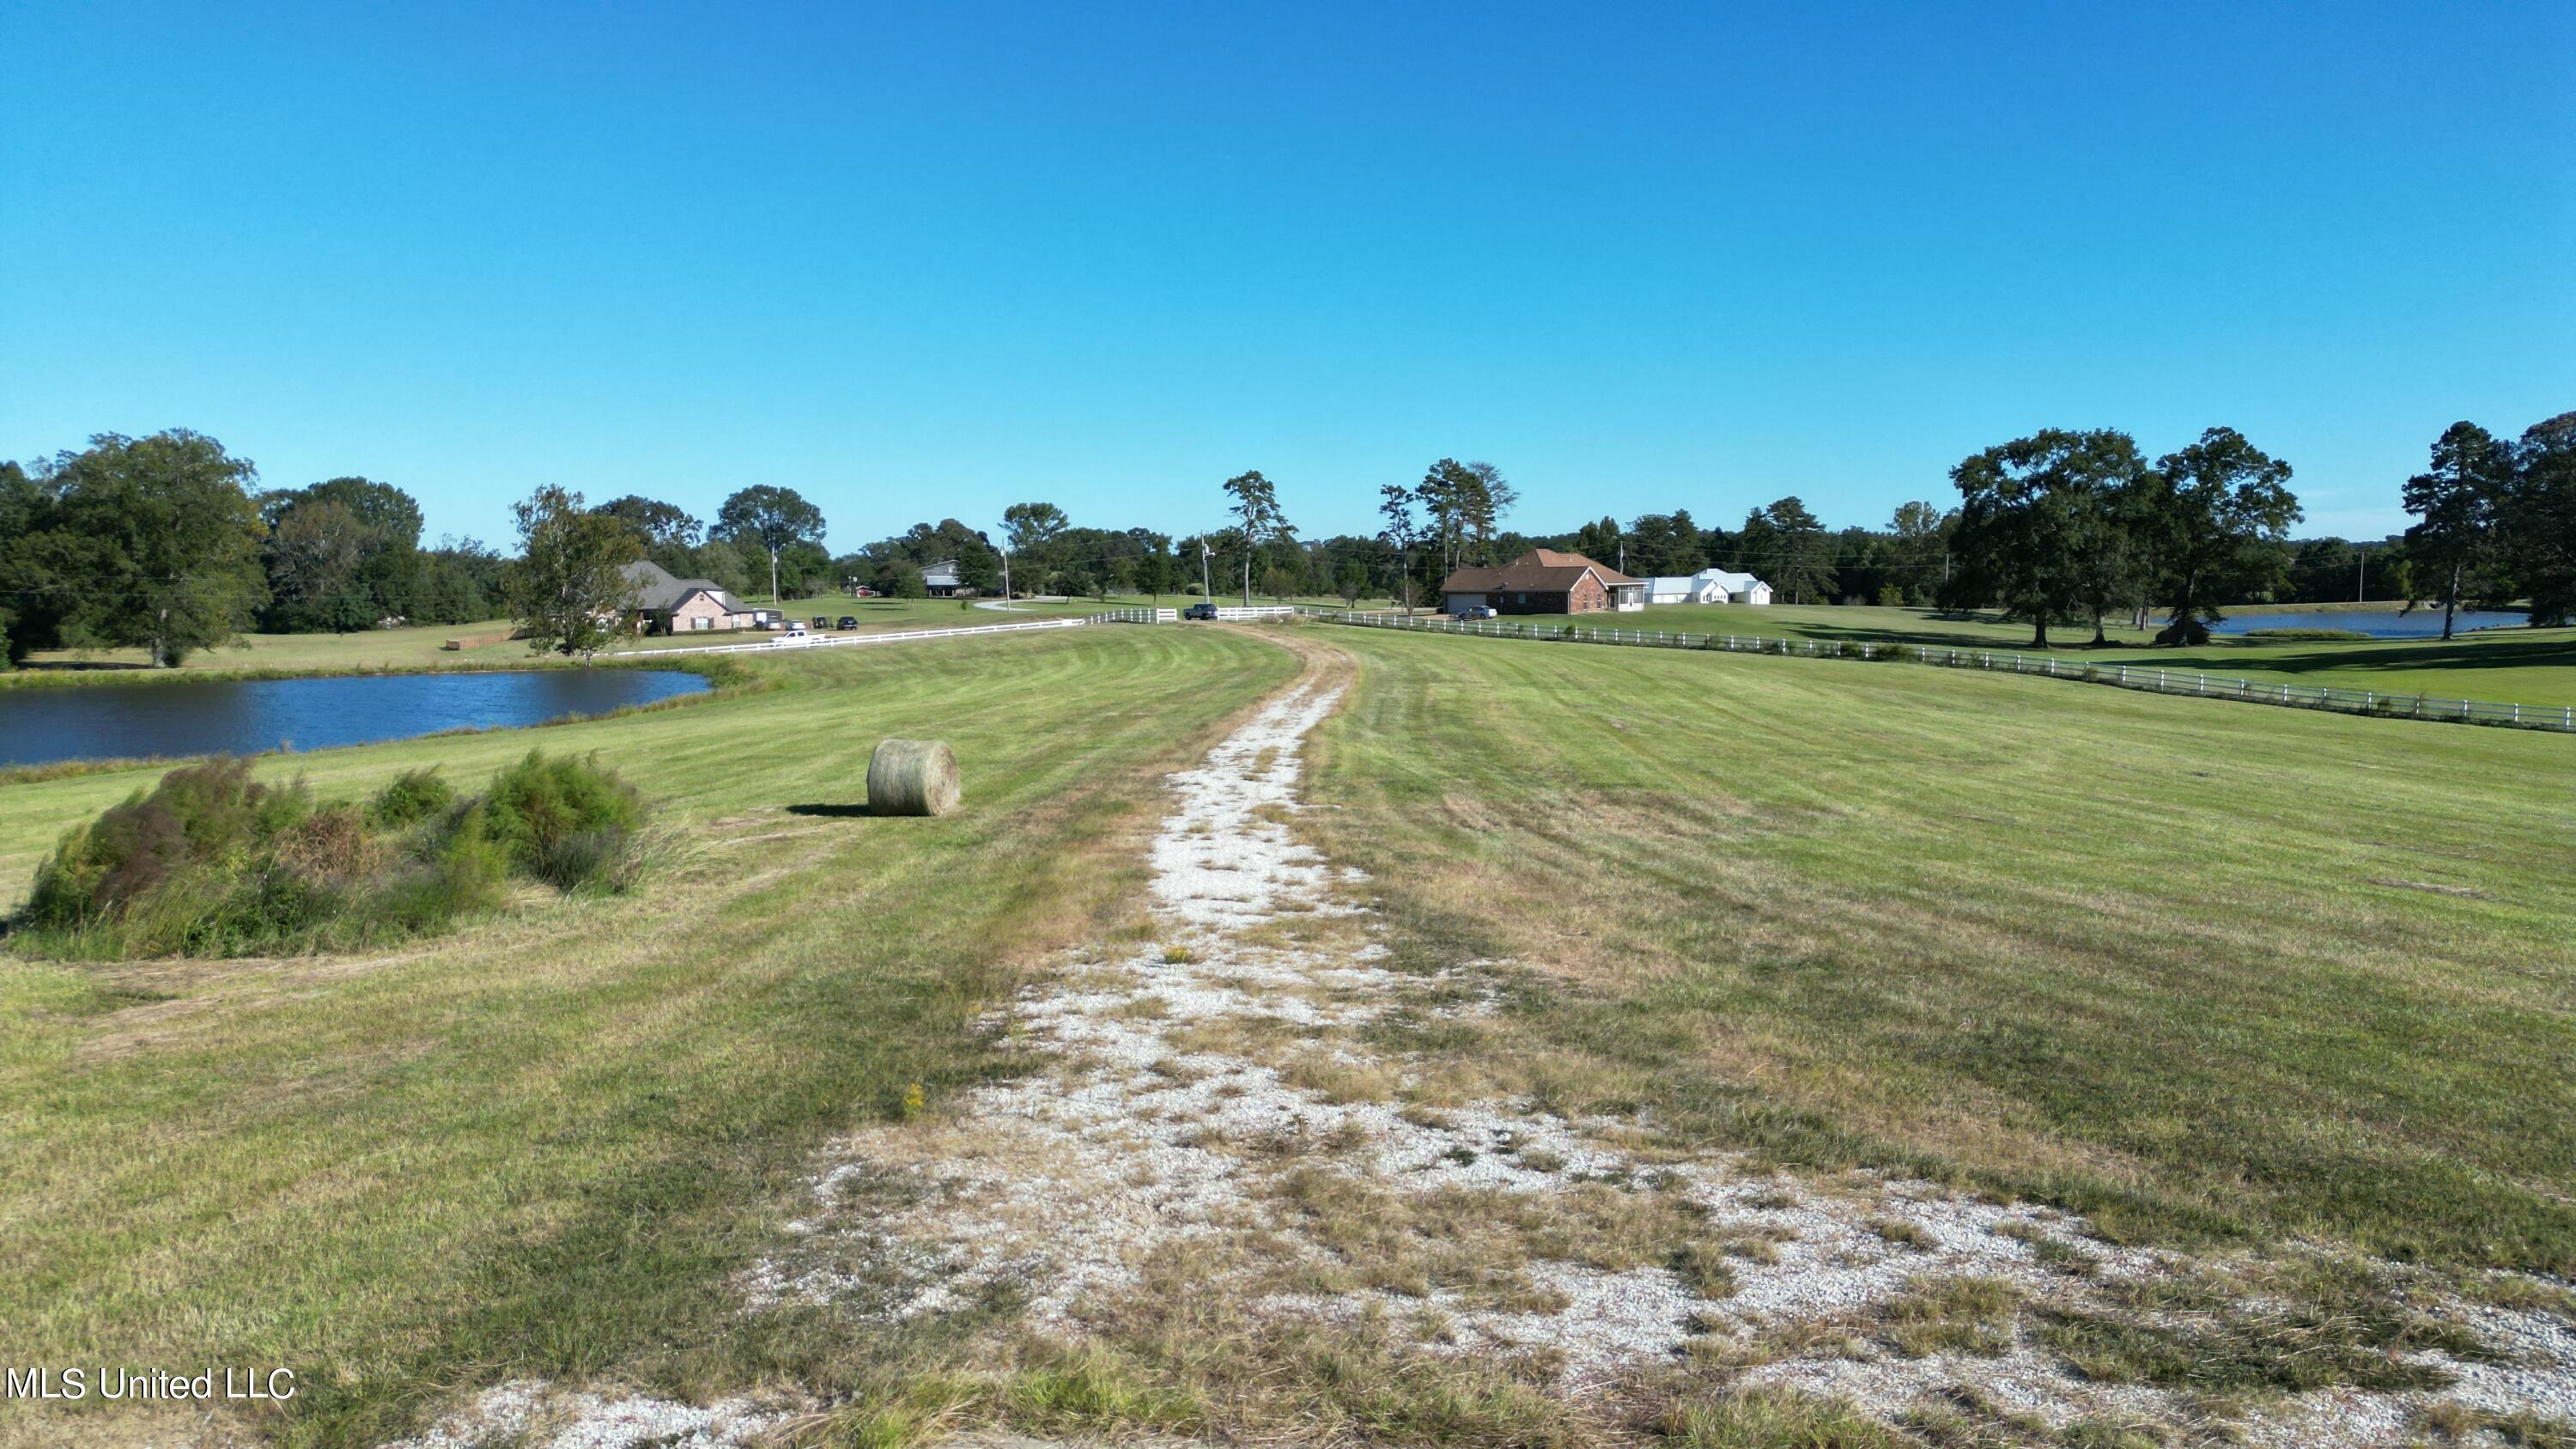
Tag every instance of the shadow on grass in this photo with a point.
(830, 812)
(2557, 648)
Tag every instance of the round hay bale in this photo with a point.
(912, 777)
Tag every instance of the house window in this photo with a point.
(1520, 598)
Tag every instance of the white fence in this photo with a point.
(2125, 676)
(833, 641)
(1256, 611)
(1137, 616)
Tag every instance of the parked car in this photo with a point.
(848, 621)
(796, 634)
(1199, 611)
(1479, 611)
(863, 593)
(822, 622)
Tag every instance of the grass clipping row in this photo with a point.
(211, 862)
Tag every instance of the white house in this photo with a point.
(1683, 589)
(1708, 586)
(940, 579)
(1734, 588)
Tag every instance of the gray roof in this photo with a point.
(658, 592)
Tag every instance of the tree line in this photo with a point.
(2070, 528)
(169, 543)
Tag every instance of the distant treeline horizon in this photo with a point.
(168, 542)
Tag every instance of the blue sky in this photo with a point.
(927, 260)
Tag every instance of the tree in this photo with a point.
(1257, 517)
(1350, 581)
(1600, 541)
(662, 525)
(2211, 508)
(568, 590)
(157, 541)
(723, 565)
(1464, 503)
(2539, 518)
(979, 565)
(2456, 502)
(32, 594)
(901, 579)
(1486, 500)
(1788, 546)
(1158, 573)
(383, 521)
(1919, 545)
(1401, 532)
(1663, 543)
(1034, 528)
(769, 518)
(2031, 512)
(313, 557)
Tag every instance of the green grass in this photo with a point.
(2516, 666)
(371, 649)
(2202, 971)
(545, 1144)
(2206, 973)
(2512, 666)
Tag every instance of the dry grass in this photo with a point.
(549, 1143)
(1896, 917)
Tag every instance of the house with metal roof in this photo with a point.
(1708, 586)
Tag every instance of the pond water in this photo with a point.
(243, 716)
(2422, 624)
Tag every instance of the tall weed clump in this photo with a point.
(210, 862)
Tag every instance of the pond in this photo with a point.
(243, 716)
(2378, 624)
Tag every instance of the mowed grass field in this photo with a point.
(2510, 666)
(547, 1144)
(2206, 971)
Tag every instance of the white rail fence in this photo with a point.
(835, 641)
(2382, 703)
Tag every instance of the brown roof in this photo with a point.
(1541, 571)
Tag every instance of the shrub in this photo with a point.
(411, 797)
(536, 807)
(195, 817)
(211, 862)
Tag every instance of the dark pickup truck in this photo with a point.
(1199, 611)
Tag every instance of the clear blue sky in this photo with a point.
(929, 259)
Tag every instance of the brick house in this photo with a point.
(665, 604)
(1544, 581)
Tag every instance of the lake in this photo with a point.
(244, 716)
(2422, 624)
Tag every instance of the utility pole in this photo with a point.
(1006, 573)
(2361, 574)
(773, 576)
(1203, 574)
